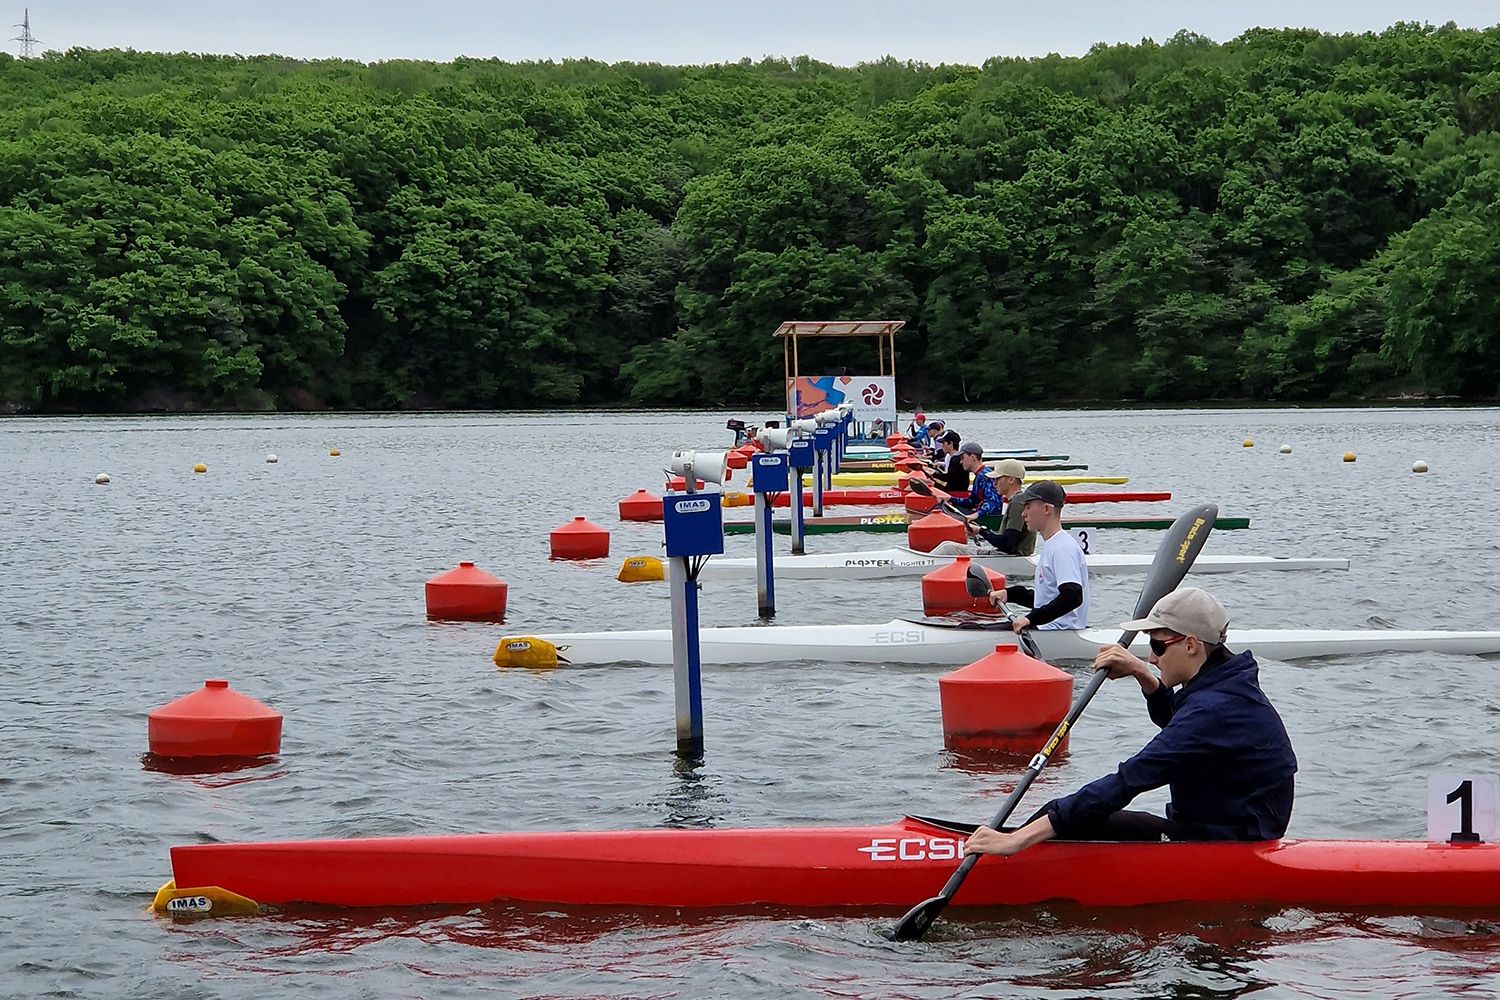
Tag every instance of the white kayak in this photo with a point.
(951, 645)
(896, 562)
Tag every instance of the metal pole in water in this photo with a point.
(770, 478)
(801, 458)
(694, 526)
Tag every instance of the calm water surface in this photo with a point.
(301, 582)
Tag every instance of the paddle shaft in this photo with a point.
(1033, 769)
(1174, 557)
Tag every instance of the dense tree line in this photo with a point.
(1290, 215)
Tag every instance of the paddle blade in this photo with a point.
(919, 487)
(976, 583)
(1174, 557)
(918, 919)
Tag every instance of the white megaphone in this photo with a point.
(845, 408)
(775, 439)
(709, 466)
(828, 418)
(805, 426)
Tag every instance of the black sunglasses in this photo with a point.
(1159, 646)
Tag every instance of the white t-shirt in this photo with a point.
(1060, 560)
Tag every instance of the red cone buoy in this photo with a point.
(894, 439)
(467, 593)
(641, 506)
(918, 504)
(738, 459)
(946, 590)
(580, 539)
(907, 464)
(925, 534)
(214, 722)
(1005, 701)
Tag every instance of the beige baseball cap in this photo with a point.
(1009, 467)
(1189, 611)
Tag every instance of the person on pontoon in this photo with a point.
(1223, 750)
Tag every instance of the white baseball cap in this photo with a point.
(1189, 611)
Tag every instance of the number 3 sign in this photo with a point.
(1463, 808)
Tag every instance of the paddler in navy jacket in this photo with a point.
(1222, 749)
(984, 498)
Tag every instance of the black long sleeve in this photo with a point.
(1069, 597)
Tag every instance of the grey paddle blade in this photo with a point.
(977, 584)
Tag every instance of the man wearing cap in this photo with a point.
(917, 430)
(949, 470)
(1222, 750)
(984, 498)
(1013, 538)
(1060, 597)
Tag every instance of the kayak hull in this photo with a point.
(899, 479)
(897, 498)
(954, 644)
(894, 865)
(878, 564)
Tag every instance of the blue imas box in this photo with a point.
(823, 438)
(770, 473)
(694, 523)
(801, 453)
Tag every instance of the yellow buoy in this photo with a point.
(334, 452)
(202, 901)
(1348, 456)
(641, 569)
(526, 651)
(200, 467)
(1247, 443)
(1419, 466)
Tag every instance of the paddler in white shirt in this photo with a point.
(1060, 597)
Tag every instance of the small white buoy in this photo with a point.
(1417, 466)
(1286, 449)
(270, 459)
(102, 479)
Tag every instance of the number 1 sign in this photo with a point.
(1463, 808)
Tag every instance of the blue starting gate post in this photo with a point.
(801, 457)
(770, 478)
(822, 443)
(694, 525)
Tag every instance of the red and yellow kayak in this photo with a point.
(917, 502)
(862, 867)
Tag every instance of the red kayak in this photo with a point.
(920, 504)
(864, 867)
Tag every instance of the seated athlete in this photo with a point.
(1222, 749)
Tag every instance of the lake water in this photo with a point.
(301, 582)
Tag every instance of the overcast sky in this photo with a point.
(688, 31)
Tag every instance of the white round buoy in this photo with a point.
(270, 459)
(102, 479)
(1419, 466)
(1286, 449)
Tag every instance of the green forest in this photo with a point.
(1290, 215)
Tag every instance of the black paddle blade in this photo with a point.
(976, 583)
(918, 919)
(918, 486)
(1174, 557)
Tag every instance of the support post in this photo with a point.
(694, 526)
(801, 457)
(770, 478)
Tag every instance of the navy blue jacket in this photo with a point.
(1222, 749)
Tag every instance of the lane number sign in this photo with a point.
(1463, 808)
